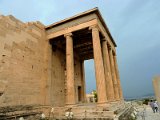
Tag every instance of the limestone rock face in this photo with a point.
(22, 62)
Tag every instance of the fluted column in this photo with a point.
(70, 96)
(99, 68)
(115, 85)
(118, 78)
(108, 77)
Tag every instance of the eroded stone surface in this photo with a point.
(22, 62)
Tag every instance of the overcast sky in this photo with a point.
(134, 25)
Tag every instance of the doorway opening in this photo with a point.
(90, 80)
(79, 94)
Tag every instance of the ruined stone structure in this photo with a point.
(45, 64)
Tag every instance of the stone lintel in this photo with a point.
(72, 29)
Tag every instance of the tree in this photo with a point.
(94, 92)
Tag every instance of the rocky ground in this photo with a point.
(146, 113)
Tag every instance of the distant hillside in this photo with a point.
(148, 95)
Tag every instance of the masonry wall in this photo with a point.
(78, 78)
(23, 62)
(58, 78)
(31, 72)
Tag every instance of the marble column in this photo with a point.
(107, 70)
(115, 85)
(99, 68)
(118, 78)
(70, 96)
(83, 82)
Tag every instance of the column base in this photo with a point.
(104, 106)
(111, 100)
(70, 105)
(115, 101)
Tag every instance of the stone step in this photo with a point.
(84, 112)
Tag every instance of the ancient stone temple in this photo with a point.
(44, 65)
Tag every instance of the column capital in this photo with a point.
(107, 42)
(94, 27)
(104, 39)
(68, 34)
(114, 53)
(110, 48)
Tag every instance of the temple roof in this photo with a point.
(94, 10)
